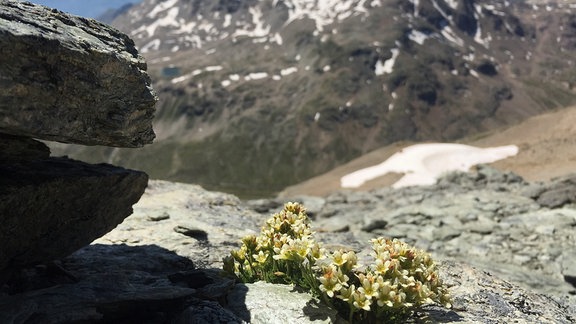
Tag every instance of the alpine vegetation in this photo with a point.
(399, 280)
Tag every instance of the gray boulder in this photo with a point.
(560, 192)
(70, 79)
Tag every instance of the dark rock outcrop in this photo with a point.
(69, 79)
(559, 193)
(52, 207)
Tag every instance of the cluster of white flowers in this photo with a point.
(284, 252)
(400, 278)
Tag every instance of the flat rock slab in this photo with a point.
(51, 207)
(70, 79)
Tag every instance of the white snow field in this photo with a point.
(422, 164)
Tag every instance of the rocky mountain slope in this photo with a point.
(547, 149)
(258, 95)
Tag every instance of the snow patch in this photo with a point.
(288, 71)
(325, 12)
(416, 4)
(278, 39)
(227, 20)
(388, 65)
(442, 12)
(180, 79)
(161, 59)
(469, 57)
(422, 164)
(154, 45)
(162, 6)
(166, 21)
(259, 29)
(213, 68)
(256, 76)
(417, 36)
(449, 34)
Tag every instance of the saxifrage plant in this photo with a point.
(400, 279)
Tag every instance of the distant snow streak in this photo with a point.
(193, 33)
(256, 76)
(213, 68)
(162, 6)
(478, 36)
(259, 30)
(442, 12)
(168, 20)
(416, 4)
(288, 71)
(417, 36)
(325, 12)
(227, 20)
(449, 34)
(153, 45)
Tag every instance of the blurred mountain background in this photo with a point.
(255, 96)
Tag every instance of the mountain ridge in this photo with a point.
(258, 95)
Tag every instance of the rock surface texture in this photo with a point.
(52, 207)
(70, 79)
(67, 79)
(161, 264)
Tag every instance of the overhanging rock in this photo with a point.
(70, 79)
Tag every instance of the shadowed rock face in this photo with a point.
(52, 207)
(70, 79)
